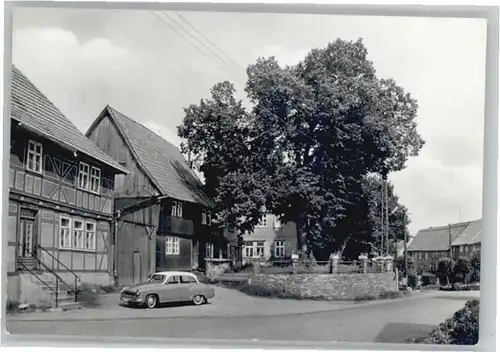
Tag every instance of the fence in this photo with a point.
(320, 267)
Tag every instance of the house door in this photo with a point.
(26, 237)
(136, 270)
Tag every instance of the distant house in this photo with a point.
(60, 199)
(432, 244)
(271, 240)
(468, 240)
(164, 218)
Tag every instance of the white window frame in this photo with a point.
(259, 248)
(209, 218)
(209, 250)
(249, 249)
(32, 155)
(172, 246)
(176, 209)
(203, 217)
(263, 221)
(95, 179)
(83, 174)
(65, 239)
(92, 234)
(78, 234)
(279, 246)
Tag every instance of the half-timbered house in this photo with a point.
(163, 217)
(60, 197)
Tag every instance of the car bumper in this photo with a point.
(132, 300)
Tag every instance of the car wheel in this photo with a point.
(151, 301)
(198, 300)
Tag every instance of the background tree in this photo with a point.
(461, 270)
(476, 265)
(315, 131)
(444, 271)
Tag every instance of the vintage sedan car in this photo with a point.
(167, 287)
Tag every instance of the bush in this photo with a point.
(444, 271)
(428, 279)
(400, 264)
(412, 281)
(461, 329)
(461, 270)
(87, 296)
(12, 305)
(475, 262)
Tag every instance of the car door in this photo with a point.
(187, 288)
(171, 290)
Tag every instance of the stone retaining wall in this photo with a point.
(329, 287)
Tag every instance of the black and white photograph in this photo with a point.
(244, 176)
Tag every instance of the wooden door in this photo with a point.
(136, 270)
(26, 237)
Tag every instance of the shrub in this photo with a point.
(412, 281)
(461, 329)
(400, 264)
(12, 305)
(461, 270)
(475, 262)
(444, 271)
(87, 296)
(428, 279)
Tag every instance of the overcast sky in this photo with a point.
(85, 59)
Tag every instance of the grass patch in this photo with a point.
(382, 295)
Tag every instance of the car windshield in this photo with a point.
(156, 279)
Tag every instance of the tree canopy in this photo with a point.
(306, 149)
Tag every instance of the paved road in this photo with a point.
(278, 320)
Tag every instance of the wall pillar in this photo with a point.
(364, 263)
(388, 261)
(334, 262)
(295, 263)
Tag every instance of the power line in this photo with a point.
(208, 40)
(189, 42)
(200, 42)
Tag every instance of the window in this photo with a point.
(173, 280)
(259, 250)
(64, 232)
(279, 249)
(156, 279)
(90, 236)
(185, 279)
(83, 176)
(426, 255)
(206, 218)
(209, 250)
(248, 249)
(95, 179)
(177, 209)
(78, 234)
(263, 221)
(34, 159)
(172, 246)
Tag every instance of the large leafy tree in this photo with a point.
(315, 131)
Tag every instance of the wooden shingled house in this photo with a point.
(164, 219)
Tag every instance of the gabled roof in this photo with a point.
(436, 238)
(162, 162)
(471, 235)
(37, 113)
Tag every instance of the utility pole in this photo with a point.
(382, 230)
(386, 217)
(449, 242)
(405, 244)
